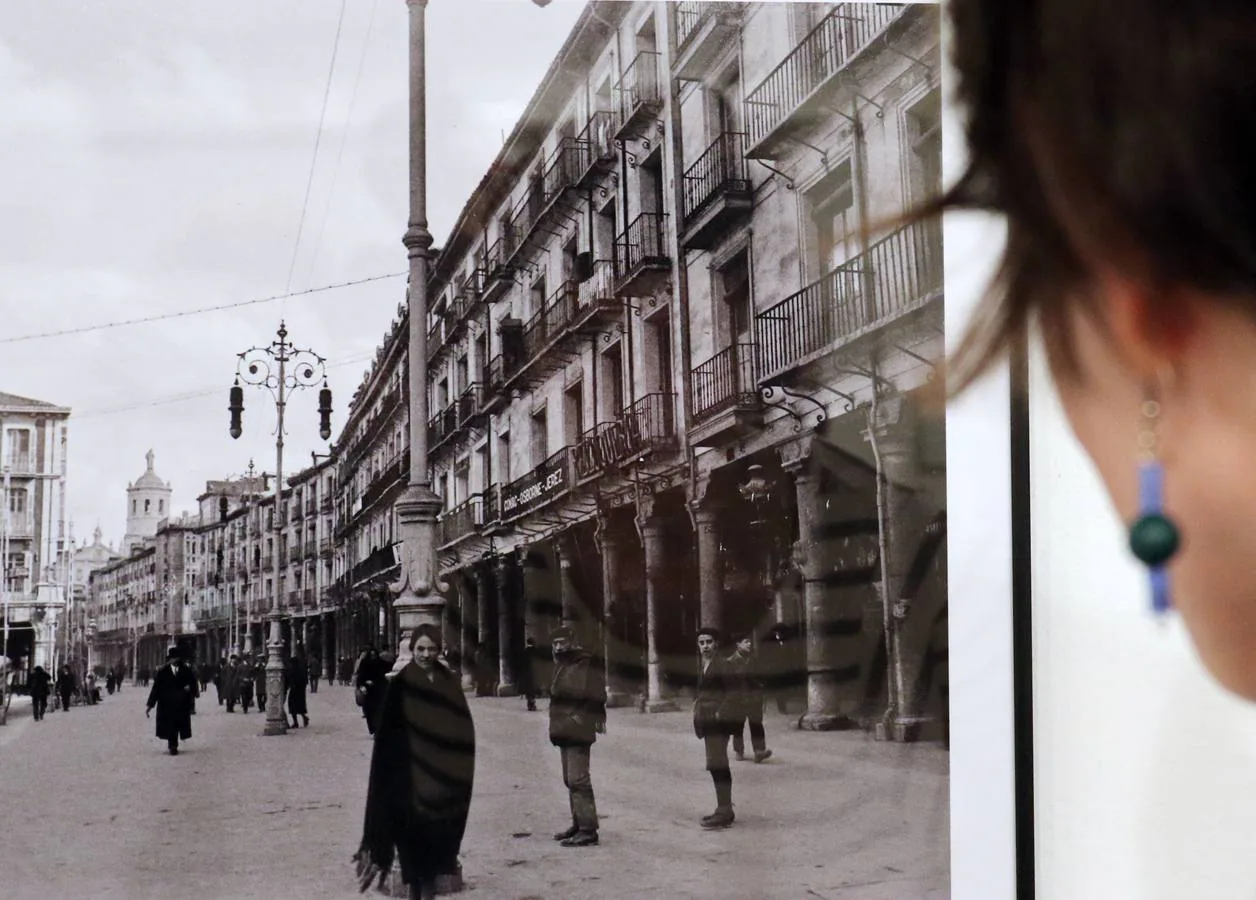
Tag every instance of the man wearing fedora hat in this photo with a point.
(174, 688)
(577, 712)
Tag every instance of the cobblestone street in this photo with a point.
(97, 809)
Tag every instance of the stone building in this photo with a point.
(33, 528)
(147, 504)
(674, 351)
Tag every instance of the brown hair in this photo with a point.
(1111, 135)
(426, 630)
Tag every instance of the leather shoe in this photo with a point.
(581, 839)
(568, 834)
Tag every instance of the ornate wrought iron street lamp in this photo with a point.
(280, 368)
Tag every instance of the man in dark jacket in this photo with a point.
(577, 712)
(40, 686)
(714, 713)
(174, 688)
(750, 701)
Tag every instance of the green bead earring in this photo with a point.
(1153, 536)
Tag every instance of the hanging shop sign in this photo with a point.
(540, 486)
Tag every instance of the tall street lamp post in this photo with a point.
(280, 368)
(417, 600)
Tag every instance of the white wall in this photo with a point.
(1145, 770)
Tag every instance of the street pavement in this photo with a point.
(95, 808)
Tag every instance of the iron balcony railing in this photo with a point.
(295, 511)
(895, 273)
(643, 242)
(464, 519)
(720, 169)
(495, 259)
(469, 402)
(651, 424)
(725, 381)
(492, 505)
(311, 548)
(598, 290)
(311, 506)
(307, 596)
(563, 170)
(294, 599)
(325, 504)
(639, 90)
(549, 323)
(600, 447)
(497, 376)
(442, 425)
(596, 142)
(691, 15)
(325, 547)
(268, 563)
(294, 554)
(819, 56)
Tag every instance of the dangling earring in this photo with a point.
(1153, 537)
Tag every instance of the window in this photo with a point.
(659, 348)
(503, 458)
(148, 507)
(536, 297)
(573, 413)
(612, 382)
(832, 208)
(482, 468)
(462, 374)
(462, 481)
(924, 140)
(540, 436)
(17, 502)
(161, 506)
(135, 507)
(733, 311)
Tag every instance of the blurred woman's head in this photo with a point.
(1116, 139)
(425, 645)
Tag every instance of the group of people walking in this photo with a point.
(423, 759)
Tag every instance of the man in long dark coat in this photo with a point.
(229, 683)
(577, 713)
(244, 686)
(714, 715)
(750, 702)
(295, 678)
(40, 686)
(173, 689)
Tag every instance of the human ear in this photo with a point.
(1152, 328)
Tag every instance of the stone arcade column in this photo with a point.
(567, 588)
(484, 605)
(895, 449)
(330, 646)
(507, 684)
(824, 689)
(612, 647)
(705, 514)
(467, 633)
(651, 529)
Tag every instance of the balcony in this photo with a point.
(641, 260)
(562, 172)
(725, 397)
(311, 548)
(704, 31)
(497, 271)
(294, 599)
(386, 479)
(470, 403)
(294, 554)
(325, 505)
(21, 464)
(789, 96)
(465, 519)
(540, 487)
(296, 510)
(596, 303)
(898, 274)
(268, 563)
(716, 192)
(21, 527)
(325, 548)
(495, 394)
(646, 427)
(597, 147)
(640, 94)
(442, 426)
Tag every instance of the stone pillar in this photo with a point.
(331, 647)
(613, 651)
(467, 634)
(487, 622)
(567, 588)
(652, 543)
(825, 710)
(892, 439)
(507, 685)
(710, 566)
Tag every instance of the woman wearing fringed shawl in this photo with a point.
(422, 769)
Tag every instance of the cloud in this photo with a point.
(157, 157)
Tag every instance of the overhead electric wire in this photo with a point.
(344, 135)
(192, 395)
(195, 312)
(296, 245)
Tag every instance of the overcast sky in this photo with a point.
(155, 158)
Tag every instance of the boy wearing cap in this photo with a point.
(577, 712)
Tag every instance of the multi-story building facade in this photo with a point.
(34, 544)
(668, 326)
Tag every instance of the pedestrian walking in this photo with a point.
(369, 686)
(316, 668)
(40, 686)
(259, 683)
(421, 776)
(109, 682)
(244, 687)
(750, 699)
(713, 717)
(530, 672)
(174, 686)
(296, 677)
(65, 686)
(229, 683)
(577, 715)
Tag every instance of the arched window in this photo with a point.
(134, 507)
(148, 505)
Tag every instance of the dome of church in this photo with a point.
(149, 479)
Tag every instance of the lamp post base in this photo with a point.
(276, 719)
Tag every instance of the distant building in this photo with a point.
(148, 502)
(33, 436)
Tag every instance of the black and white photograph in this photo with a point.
(486, 447)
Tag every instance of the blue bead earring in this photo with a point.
(1153, 537)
